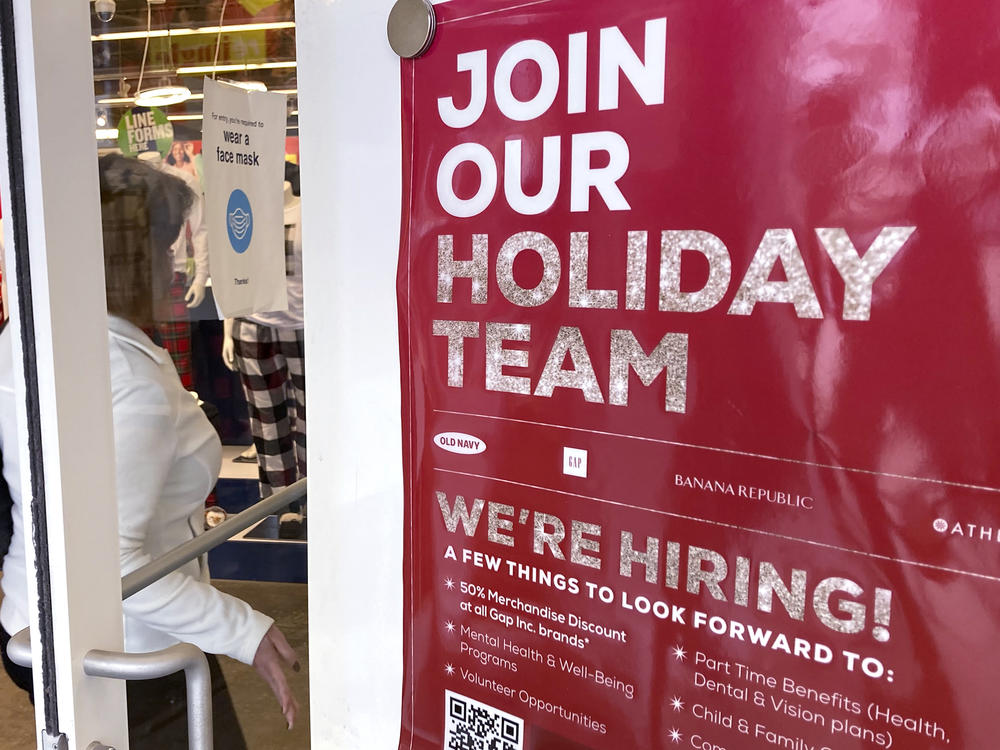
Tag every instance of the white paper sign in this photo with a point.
(243, 149)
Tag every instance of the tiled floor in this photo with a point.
(256, 706)
(17, 724)
(236, 469)
(257, 709)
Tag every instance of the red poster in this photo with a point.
(699, 308)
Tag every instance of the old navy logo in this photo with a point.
(459, 442)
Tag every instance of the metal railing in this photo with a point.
(183, 656)
(139, 579)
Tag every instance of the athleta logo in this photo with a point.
(459, 442)
(972, 532)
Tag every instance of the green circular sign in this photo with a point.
(144, 129)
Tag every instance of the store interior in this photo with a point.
(159, 53)
(153, 57)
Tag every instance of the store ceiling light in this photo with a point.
(157, 33)
(162, 96)
(233, 68)
(107, 134)
(250, 85)
(131, 100)
(175, 118)
(166, 93)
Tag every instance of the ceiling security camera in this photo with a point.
(104, 10)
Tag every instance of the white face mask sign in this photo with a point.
(244, 152)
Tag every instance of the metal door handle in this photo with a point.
(148, 666)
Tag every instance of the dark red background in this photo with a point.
(777, 114)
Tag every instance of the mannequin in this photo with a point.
(267, 350)
(176, 333)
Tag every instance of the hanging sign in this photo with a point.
(242, 47)
(699, 323)
(143, 129)
(243, 151)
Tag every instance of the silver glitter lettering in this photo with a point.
(459, 513)
(635, 274)
(859, 274)
(720, 271)
(580, 545)
(741, 596)
(552, 268)
(672, 576)
(777, 244)
(769, 582)
(476, 269)
(581, 376)
(671, 354)
(551, 539)
(883, 612)
(855, 612)
(497, 357)
(497, 524)
(579, 273)
(650, 558)
(697, 575)
(457, 332)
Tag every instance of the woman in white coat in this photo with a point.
(167, 459)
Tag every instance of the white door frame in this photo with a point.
(351, 173)
(64, 321)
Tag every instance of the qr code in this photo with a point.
(471, 725)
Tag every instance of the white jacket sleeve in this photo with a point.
(179, 605)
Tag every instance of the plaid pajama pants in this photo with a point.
(271, 363)
(176, 332)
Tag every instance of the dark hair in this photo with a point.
(142, 212)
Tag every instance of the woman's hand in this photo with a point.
(272, 651)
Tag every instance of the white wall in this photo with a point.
(350, 154)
